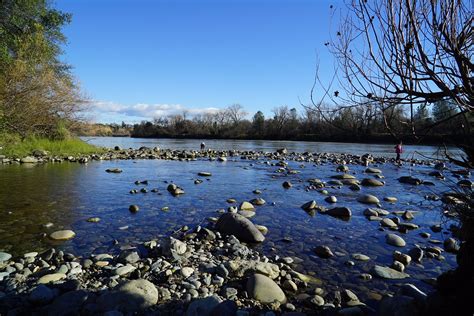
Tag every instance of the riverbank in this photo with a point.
(13, 147)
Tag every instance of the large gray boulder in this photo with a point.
(240, 227)
(264, 289)
(203, 306)
(131, 296)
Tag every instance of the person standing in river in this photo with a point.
(203, 146)
(398, 151)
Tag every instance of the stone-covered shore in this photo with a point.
(207, 270)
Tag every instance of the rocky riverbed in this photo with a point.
(306, 233)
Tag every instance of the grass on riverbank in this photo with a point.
(13, 146)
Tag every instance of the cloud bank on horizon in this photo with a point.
(112, 112)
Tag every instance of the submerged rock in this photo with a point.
(343, 212)
(395, 240)
(388, 273)
(62, 235)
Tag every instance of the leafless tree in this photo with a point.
(236, 113)
(404, 53)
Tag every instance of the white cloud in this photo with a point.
(104, 111)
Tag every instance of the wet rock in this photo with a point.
(62, 235)
(343, 212)
(390, 199)
(401, 257)
(240, 227)
(388, 273)
(113, 170)
(373, 170)
(331, 199)
(204, 174)
(397, 265)
(416, 254)
(387, 222)
(131, 296)
(247, 214)
(360, 257)
(246, 206)
(287, 184)
(408, 216)
(317, 300)
(133, 208)
(264, 289)
(450, 245)
(124, 270)
(93, 219)
(368, 199)
(311, 205)
(395, 240)
(410, 180)
(258, 201)
(323, 252)
(369, 182)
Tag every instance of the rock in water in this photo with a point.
(130, 297)
(343, 212)
(410, 180)
(264, 289)
(62, 235)
(368, 199)
(373, 170)
(369, 182)
(28, 159)
(388, 273)
(395, 240)
(240, 227)
(323, 252)
(246, 206)
(114, 170)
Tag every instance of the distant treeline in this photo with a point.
(350, 124)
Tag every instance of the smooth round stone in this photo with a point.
(133, 208)
(204, 174)
(309, 205)
(93, 219)
(360, 257)
(368, 199)
(258, 201)
(395, 240)
(373, 170)
(129, 297)
(388, 273)
(323, 252)
(264, 289)
(387, 222)
(390, 199)
(231, 200)
(331, 199)
(186, 272)
(317, 300)
(62, 235)
(369, 182)
(247, 214)
(53, 277)
(4, 256)
(262, 229)
(246, 206)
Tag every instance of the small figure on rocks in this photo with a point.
(398, 151)
(203, 146)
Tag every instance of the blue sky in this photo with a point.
(139, 59)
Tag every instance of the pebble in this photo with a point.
(62, 235)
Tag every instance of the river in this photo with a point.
(67, 194)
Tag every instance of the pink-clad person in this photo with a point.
(399, 151)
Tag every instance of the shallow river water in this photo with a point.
(67, 194)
